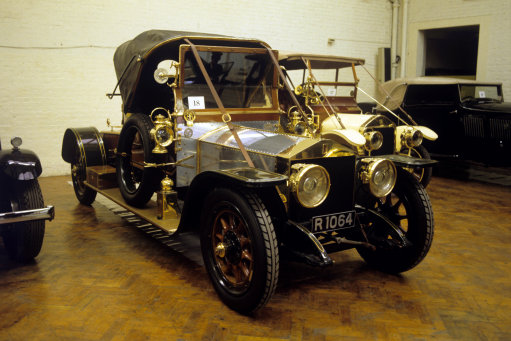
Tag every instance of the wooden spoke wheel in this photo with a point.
(409, 209)
(84, 194)
(233, 250)
(423, 174)
(240, 249)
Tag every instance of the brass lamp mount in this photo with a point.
(162, 133)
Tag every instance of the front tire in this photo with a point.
(23, 240)
(408, 207)
(240, 250)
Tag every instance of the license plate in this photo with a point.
(333, 221)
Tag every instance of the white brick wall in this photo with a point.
(56, 55)
(494, 18)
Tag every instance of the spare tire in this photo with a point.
(136, 182)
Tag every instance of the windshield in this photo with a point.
(431, 94)
(333, 82)
(480, 92)
(242, 79)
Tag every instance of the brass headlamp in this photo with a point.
(379, 175)
(310, 184)
(374, 140)
(411, 137)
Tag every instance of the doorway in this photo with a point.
(450, 51)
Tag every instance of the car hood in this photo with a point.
(503, 107)
(258, 141)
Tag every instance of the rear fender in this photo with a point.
(85, 143)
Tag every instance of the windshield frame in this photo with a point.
(273, 108)
(499, 99)
(333, 71)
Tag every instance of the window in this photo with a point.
(451, 51)
(480, 92)
(431, 95)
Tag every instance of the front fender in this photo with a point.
(242, 178)
(20, 164)
(406, 161)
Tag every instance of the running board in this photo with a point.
(149, 213)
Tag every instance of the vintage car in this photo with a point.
(202, 128)
(472, 120)
(329, 85)
(22, 210)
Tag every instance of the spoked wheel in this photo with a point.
(239, 248)
(423, 174)
(23, 240)
(409, 208)
(136, 182)
(84, 194)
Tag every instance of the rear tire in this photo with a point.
(23, 240)
(84, 194)
(240, 249)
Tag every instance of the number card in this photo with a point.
(332, 92)
(482, 94)
(196, 102)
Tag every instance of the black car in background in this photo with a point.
(471, 118)
(22, 210)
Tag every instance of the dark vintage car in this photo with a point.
(22, 210)
(471, 118)
(329, 86)
(201, 127)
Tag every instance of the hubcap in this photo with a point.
(233, 249)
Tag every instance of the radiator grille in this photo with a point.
(474, 126)
(500, 129)
(388, 141)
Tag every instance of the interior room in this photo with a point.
(210, 170)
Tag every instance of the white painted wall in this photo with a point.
(56, 55)
(494, 20)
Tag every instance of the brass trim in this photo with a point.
(367, 171)
(80, 146)
(183, 48)
(147, 213)
(298, 172)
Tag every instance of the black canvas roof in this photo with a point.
(136, 60)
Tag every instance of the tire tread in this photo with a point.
(24, 241)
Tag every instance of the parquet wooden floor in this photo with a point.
(99, 277)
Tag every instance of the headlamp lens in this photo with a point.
(311, 184)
